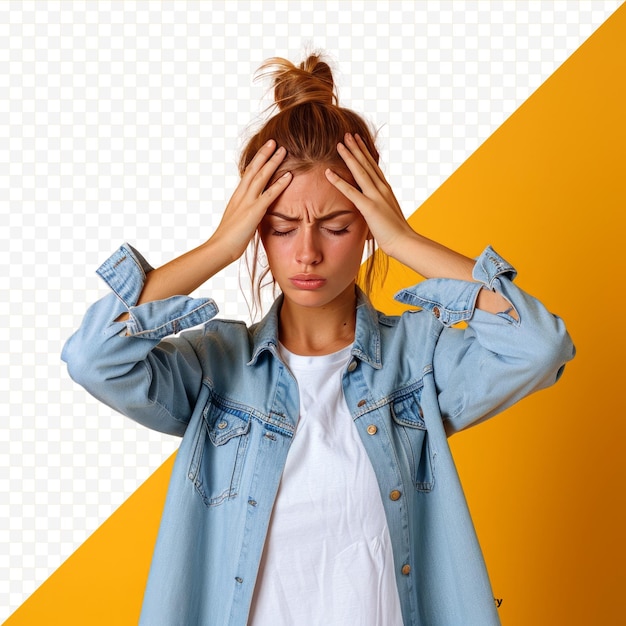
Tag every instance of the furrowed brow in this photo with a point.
(333, 215)
(287, 218)
(324, 218)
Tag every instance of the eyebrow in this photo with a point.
(324, 218)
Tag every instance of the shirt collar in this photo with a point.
(366, 345)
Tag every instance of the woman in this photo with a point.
(314, 483)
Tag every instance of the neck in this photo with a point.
(315, 331)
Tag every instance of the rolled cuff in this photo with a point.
(489, 266)
(125, 273)
(452, 301)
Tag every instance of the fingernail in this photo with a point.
(286, 175)
(269, 143)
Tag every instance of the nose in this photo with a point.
(308, 251)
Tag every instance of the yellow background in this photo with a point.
(545, 479)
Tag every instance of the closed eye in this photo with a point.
(337, 232)
(282, 233)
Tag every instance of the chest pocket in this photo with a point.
(411, 431)
(219, 451)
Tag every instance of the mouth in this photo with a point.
(307, 281)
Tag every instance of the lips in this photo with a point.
(307, 281)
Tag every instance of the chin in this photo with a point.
(308, 300)
(315, 299)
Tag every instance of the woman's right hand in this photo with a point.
(243, 214)
(251, 199)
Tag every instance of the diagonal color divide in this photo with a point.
(548, 191)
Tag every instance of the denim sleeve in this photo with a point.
(497, 359)
(134, 366)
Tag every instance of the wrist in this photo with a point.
(494, 302)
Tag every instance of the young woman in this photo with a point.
(314, 483)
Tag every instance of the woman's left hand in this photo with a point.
(376, 200)
(395, 237)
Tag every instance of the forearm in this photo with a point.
(431, 259)
(185, 273)
(243, 213)
(434, 260)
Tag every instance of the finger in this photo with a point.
(349, 191)
(274, 190)
(382, 183)
(253, 186)
(259, 159)
(361, 176)
(359, 150)
(263, 176)
(368, 156)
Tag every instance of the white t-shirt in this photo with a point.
(327, 558)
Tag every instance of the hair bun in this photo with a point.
(311, 82)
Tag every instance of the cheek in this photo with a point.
(349, 252)
(266, 246)
(276, 250)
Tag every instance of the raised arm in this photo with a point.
(497, 359)
(123, 353)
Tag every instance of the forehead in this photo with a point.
(310, 194)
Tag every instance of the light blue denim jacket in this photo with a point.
(225, 390)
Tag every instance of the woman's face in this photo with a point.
(314, 237)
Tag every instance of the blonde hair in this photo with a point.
(308, 123)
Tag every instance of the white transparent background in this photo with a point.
(122, 122)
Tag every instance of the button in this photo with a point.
(222, 425)
(352, 365)
(406, 569)
(395, 495)
(436, 312)
(361, 402)
(371, 429)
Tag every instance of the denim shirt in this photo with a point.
(412, 380)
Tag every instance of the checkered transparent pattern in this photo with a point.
(123, 121)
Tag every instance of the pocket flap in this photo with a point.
(225, 421)
(407, 410)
